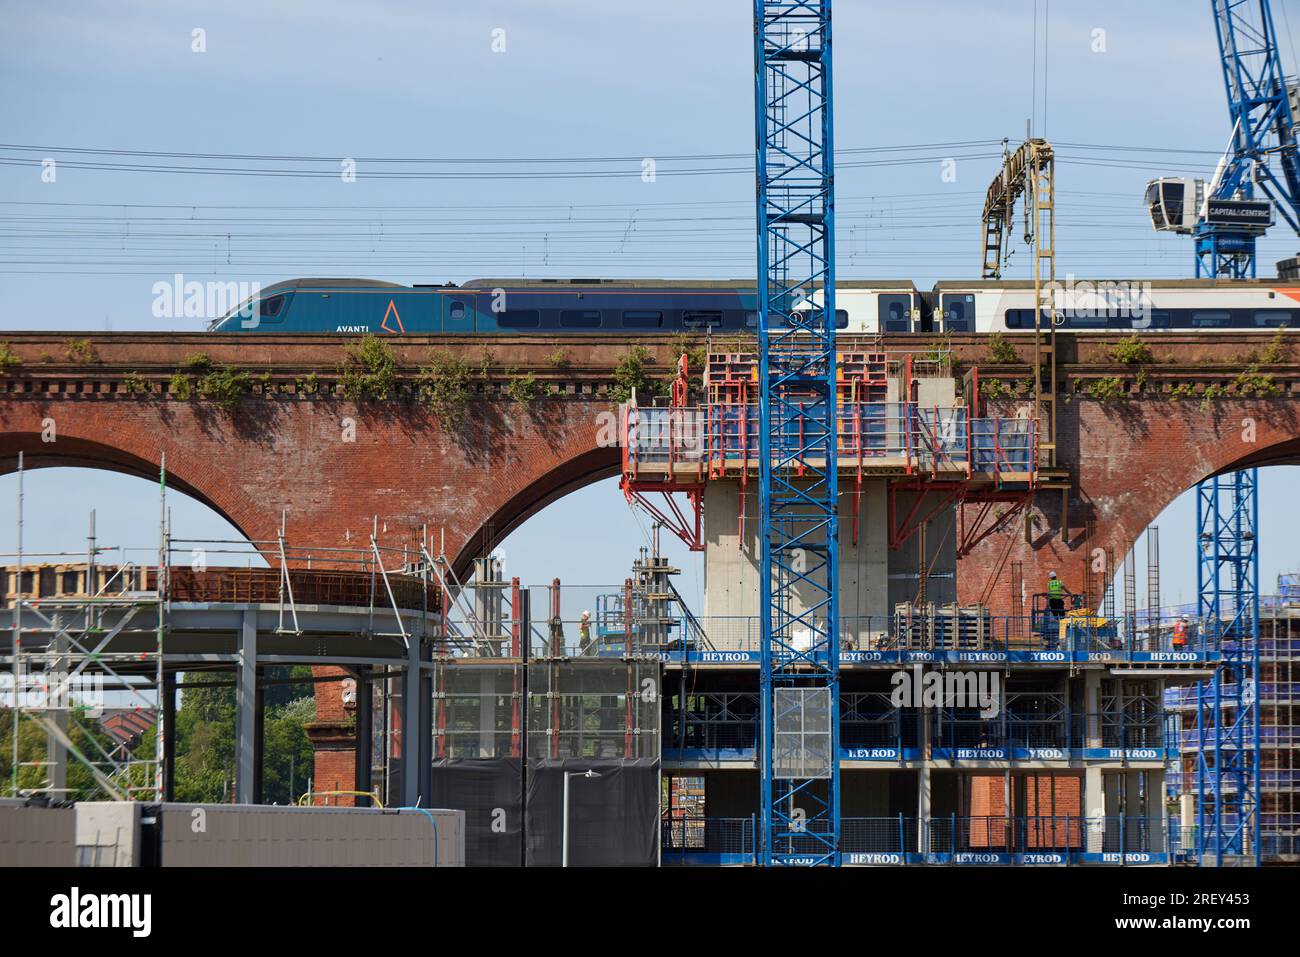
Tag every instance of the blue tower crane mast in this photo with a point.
(1227, 707)
(798, 495)
(1228, 214)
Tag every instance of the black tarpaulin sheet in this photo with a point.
(490, 792)
(613, 819)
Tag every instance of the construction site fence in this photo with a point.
(728, 435)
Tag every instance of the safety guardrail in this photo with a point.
(947, 840)
(729, 731)
(720, 436)
(712, 840)
(960, 636)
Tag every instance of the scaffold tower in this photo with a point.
(1227, 714)
(799, 655)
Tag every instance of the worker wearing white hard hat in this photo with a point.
(584, 633)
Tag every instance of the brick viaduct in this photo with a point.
(287, 444)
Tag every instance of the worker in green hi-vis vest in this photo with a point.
(1056, 592)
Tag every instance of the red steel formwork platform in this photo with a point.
(938, 456)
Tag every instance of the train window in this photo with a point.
(694, 319)
(1272, 318)
(519, 319)
(1085, 321)
(841, 317)
(456, 311)
(642, 319)
(895, 313)
(270, 308)
(1211, 320)
(580, 318)
(751, 320)
(1022, 319)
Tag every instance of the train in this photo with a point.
(643, 306)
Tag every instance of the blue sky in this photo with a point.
(577, 78)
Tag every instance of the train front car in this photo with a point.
(348, 306)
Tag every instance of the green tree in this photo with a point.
(287, 756)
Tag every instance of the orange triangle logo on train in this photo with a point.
(392, 311)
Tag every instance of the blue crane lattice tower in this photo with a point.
(1259, 105)
(1227, 712)
(798, 605)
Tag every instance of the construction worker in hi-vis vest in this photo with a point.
(1056, 593)
(584, 633)
(1180, 633)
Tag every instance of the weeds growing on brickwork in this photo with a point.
(225, 386)
(180, 386)
(1002, 352)
(632, 375)
(522, 388)
(443, 386)
(81, 350)
(1108, 389)
(134, 384)
(1131, 351)
(369, 370)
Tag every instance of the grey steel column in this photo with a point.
(168, 719)
(246, 712)
(413, 726)
(61, 687)
(365, 733)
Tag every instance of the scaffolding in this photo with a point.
(80, 633)
(94, 664)
(1227, 712)
(1279, 734)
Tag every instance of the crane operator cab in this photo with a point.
(1174, 203)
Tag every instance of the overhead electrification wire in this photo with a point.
(461, 161)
